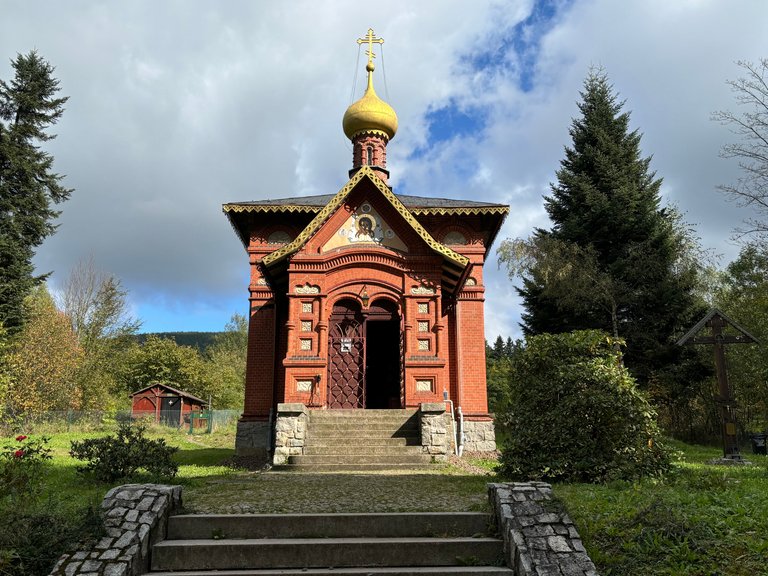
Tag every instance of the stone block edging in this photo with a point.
(537, 540)
(135, 517)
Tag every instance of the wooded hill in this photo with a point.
(200, 340)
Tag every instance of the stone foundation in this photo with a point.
(135, 517)
(252, 439)
(479, 436)
(290, 431)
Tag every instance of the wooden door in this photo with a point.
(346, 357)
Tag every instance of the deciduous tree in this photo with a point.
(43, 360)
(744, 297)
(226, 360)
(750, 125)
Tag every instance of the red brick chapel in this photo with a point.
(365, 299)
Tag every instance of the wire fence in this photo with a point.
(98, 420)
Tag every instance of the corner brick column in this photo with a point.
(537, 541)
(253, 428)
(135, 517)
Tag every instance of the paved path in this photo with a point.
(292, 492)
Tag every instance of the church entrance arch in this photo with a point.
(364, 360)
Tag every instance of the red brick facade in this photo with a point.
(416, 262)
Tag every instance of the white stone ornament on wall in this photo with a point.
(307, 289)
(424, 385)
(304, 385)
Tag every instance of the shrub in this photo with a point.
(577, 415)
(123, 455)
(22, 465)
(33, 538)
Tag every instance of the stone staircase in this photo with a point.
(339, 440)
(313, 544)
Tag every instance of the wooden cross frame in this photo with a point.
(717, 321)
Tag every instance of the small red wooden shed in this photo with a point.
(165, 404)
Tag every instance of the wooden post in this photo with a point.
(716, 321)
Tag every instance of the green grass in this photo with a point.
(702, 520)
(199, 456)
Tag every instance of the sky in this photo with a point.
(177, 107)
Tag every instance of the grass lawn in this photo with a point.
(703, 520)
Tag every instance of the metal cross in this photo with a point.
(371, 39)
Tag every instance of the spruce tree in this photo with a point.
(605, 209)
(28, 185)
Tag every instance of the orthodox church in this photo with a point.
(365, 299)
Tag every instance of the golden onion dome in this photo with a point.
(370, 114)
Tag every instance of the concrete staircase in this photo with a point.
(338, 440)
(315, 544)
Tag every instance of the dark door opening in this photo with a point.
(382, 363)
(170, 411)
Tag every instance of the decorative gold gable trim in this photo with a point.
(237, 208)
(456, 259)
(463, 211)
(316, 222)
(421, 211)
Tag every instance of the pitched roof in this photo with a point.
(174, 390)
(453, 260)
(415, 204)
(319, 208)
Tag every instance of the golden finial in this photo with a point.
(371, 39)
(370, 114)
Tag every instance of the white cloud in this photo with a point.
(178, 107)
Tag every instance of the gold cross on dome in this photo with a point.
(371, 39)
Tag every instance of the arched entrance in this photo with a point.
(364, 356)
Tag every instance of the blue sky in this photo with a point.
(177, 107)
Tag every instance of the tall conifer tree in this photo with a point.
(605, 207)
(28, 185)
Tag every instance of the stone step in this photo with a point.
(358, 449)
(353, 426)
(323, 553)
(369, 571)
(370, 439)
(364, 418)
(355, 459)
(362, 468)
(352, 413)
(206, 526)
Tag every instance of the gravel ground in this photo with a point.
(460, 486)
